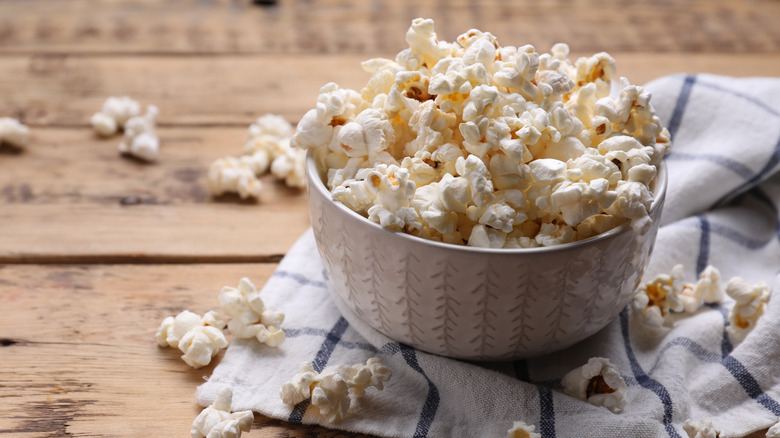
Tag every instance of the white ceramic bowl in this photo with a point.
(475, 303)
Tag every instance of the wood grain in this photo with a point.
(333, 26)
(62, 90)
(79, 356)
(70, 197)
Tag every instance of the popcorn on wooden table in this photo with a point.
(13, 133)
(140, 139)
(476, 125)
(200, 339)
(114, 115)
(236, 175)
(217, 421)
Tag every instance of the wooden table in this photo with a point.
(96, 250)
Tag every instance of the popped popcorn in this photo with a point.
(330, 389)
(470, 119)
(216, 421)
(250, 317)
(236, 175)
(200, 339)
(749, 306)
(140, 139)
(656, 299)
(116, 112)
(774, 431)
(290, 167)
(267, 148)
(599, 383)
(13, 133)
(700, 429)
(708, 289)
(522, 430)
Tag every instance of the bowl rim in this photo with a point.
(316, 182)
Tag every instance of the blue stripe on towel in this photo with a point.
(320, 360)
(646, 381)
(682, 102)
(329, 344)
(431, 404)
(704, 244)
(750, 385)
(692, 346)
(547, 413)
(728, 233)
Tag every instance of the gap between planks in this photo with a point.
(134, 259)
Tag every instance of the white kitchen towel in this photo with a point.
(721, 209)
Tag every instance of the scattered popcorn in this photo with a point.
(658, 298)
(290, 167)
(774, 431)
(216, 421)
(200, 339)
(234, 175)
(700, 429)
(267, 147)
(116, 112)
(330, 390)
(521, 430)
(140, 139)
(599, 383)
(104, 124)
(13, 133)
(250, 317)
(749, 306)
(269, 135)
(708, 289)
(667, 293)
(471, 121)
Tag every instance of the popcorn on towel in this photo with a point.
(249, 316)
(330, 389)
(599, 383)
(522, 430)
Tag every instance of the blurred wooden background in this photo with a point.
(96, 250)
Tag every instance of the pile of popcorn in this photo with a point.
(140, 131)
(487, 145)
(267, 147)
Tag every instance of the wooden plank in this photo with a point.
(63, 90)
(332, 26)
(80, 358)
(70, 197)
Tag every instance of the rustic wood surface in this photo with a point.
(96, 249)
